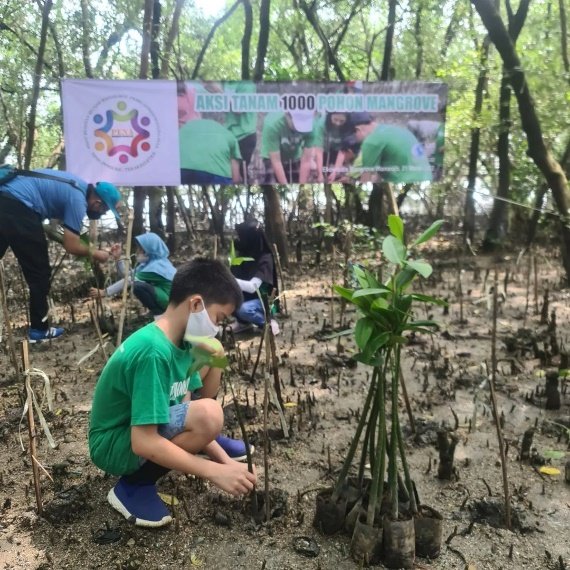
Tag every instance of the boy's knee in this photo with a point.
(207, 415)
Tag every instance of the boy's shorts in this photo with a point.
(177, 421)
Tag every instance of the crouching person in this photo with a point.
(144, 422)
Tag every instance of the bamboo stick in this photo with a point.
(127, 276)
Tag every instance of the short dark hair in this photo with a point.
(209, 278)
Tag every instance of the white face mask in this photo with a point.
(142, 258)
(200, 324)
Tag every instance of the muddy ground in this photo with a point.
(446, 378)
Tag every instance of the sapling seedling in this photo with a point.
(385, 318)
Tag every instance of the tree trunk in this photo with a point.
(274, 223)
(171, 218)
(469, 211)
(171, 36)
(564, 38)
(139, 201)
(140, 192)
(36, 85)
(146, 38)
(498, 220)
(263, 40)
(85, 33)
(498, 223)
(537, 150)
(385, 74)
(419, 40)
(246, 39)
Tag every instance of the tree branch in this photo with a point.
(209, 37)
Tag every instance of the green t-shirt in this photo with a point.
(161, 286)
(144, 377)
(278, 137)
(398, 153)
(240, 125)
(207, 146)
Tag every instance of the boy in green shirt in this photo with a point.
(209, 153)
(143, 422)
(286, 149)
(390, 151)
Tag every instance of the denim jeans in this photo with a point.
(251, 312)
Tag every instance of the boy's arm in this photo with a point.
(278, 170)
(231, 477)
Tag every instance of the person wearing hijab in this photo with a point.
(257, 274)
(153, 274)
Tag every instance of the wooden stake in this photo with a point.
(31, 425)
(265, 419)
(127, 276)
(529, 268)
(7, 322)
(494, 406)
(98, 329)
(215, 246)
(535, 267)
(282, 297)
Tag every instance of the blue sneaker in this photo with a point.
(139, 504)
(37, 335)
(235, 448)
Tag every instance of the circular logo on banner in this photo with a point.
(122, 132)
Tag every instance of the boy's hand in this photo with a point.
(116, 250)
(95, 293)
(234, 478)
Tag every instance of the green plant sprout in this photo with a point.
(233, 259)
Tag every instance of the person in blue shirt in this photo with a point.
(153, 274)
(25, 201)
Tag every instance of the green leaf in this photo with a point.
(344, 292)
(396, 226)
(367, 292)
(345, 332)
(380, 303)
(428, 299)
(553, 454)
(429, 233)
(404, 278)
(235, 261)
(422, 267)
(363, 331)
(423, 324)
(377, 342)
(394, 250)
(202, 357)
(368, 359)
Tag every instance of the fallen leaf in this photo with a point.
(553, 454)
(289, 404)
(195, 561)
(170, 500)
(545, 470)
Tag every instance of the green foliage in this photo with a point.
(386, 308)
(234, 260)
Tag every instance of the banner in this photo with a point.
(124, 132)
(241, 132)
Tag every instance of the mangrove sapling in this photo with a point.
(386, 311)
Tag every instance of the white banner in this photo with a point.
(123, 132)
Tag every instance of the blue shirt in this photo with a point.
(52, 199)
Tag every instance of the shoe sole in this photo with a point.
(240, 459)
(118, 506)
(30, 341)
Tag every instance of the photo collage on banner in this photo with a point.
(241, 132)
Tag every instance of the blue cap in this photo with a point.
(110, 195)
(360, 118)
